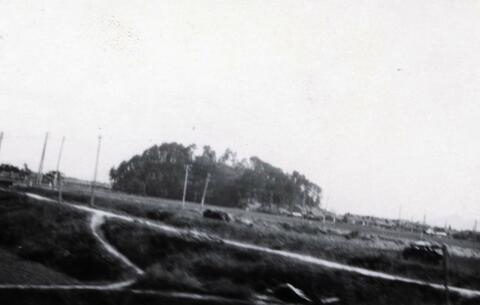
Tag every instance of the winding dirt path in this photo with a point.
(112, 286)
(95, 222)
(292, 255)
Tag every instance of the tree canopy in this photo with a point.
(160, 170)
(14, 172)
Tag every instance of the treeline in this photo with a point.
(11, 171)
(25, 174)
(160, 170)
(467, 235)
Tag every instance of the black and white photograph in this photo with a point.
(264, 152)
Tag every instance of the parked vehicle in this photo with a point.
(4, 182)
(217, 214)
(424, 251)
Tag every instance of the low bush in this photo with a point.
(173, 277)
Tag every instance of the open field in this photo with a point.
(204, 265)
(81, 192)
(346, 243)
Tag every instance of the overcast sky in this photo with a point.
(376, 101)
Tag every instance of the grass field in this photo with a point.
(199, 266)
(207, 266)
(82, 193)
(333, 242)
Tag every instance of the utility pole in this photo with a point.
(303, 202)
(58, 161)
(92, 187)
(475, 234)
(445, 269)
(187, 171)
(424, 227)
(42, 158)
(205, 189)
(58, 181)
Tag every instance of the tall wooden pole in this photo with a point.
(424, 227)
(94, 181)
(205, 189)
(58, 161)
(304, 201)
(445, 269)
(475, 235)
(58, 179)
(42, 158)
(187, 170)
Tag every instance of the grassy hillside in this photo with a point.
(55, 236)
(348, 244)
(202, 266)
(15, 270)
(208, 266)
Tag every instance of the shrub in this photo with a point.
(171, 277)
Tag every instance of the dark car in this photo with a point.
(216, 214)
(5, 182)
(424, 251)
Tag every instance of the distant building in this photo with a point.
(436, 232)
(74, 182)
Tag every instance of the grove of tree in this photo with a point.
(160, 170)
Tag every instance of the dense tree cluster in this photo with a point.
(160, 171)
(25, 174)
(13, 172)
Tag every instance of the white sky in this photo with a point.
(376, 101)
